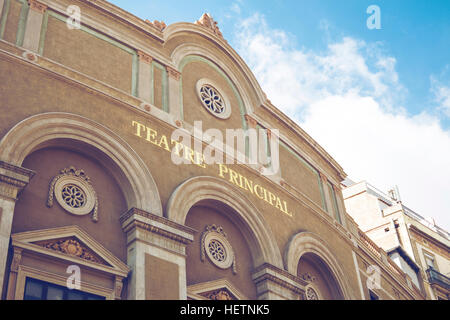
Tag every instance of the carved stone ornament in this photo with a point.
(215, 245)
(71, 246)
(160, 25)
(207, 21)
(308, 277)
(220, 294)
(311, 294)
(73, 191)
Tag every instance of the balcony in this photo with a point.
(435, 277)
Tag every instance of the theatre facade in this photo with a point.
(90, 194)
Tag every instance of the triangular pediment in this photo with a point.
(70, 243)
(220, 289)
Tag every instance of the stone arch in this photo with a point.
(181, 52)
(308, 243)
(255, 229)
(81, 134)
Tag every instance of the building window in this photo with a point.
(41, 290)
(334, 202)
(213, 99)
(430, 261)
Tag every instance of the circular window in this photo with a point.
(75, 195)
(218, 250)
(212, 99)
(311, 294)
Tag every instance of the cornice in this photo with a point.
(156, 224)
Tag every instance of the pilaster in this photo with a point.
(34, 24)
(13, 180)
(156, 254)
(174, 83)
(145, 76)
(276, 284)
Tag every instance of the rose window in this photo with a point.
(217, 250)
(73, 196)
(212, 99)
(311, 294)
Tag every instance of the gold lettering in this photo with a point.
(138, 128)
(164, 141)
(178, 146)
(278, 205)
(222, 169)
(233, 177)
(200, 159)
(248, 185)
(256, 191)
(151, 136)
(271, 198)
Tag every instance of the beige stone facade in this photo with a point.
(87, 181)
(418, 247)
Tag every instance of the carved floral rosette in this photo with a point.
(215, 246)
(74, 192)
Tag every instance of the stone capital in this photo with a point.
(274, 283)
(144, 56)
(251, 121)
(37, 6)
(156, 230)
(13, 180)
(173, 73)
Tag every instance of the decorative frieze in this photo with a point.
(173, 73)
(37, 6)
(144, 56)
(136, 218)
(13, 179)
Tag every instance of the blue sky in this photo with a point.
(377, 100)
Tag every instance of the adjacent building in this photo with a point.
(418, 246)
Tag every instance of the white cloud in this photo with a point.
(442, 96)
(349, 98)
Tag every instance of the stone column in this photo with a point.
(145, 77)
(273, 283)
(174, 92)
(34, 24)
(156, 254)
(13, 180)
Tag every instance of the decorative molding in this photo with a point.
(13, 179)
(71, 246)
(268, 272)
(207, 21)
(221, 294)
(144, 56)
(136, 218)
(215, 236)
(160, 25)
(252, 123)
(308, 277)
(37, 6)
(215, 290)
(85, 192)
(173, 73)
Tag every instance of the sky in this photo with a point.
(377, 99)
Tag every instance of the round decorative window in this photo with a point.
(311, 294)
(212, 99)
(74, 193)
(216, 247)
(73, 196)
